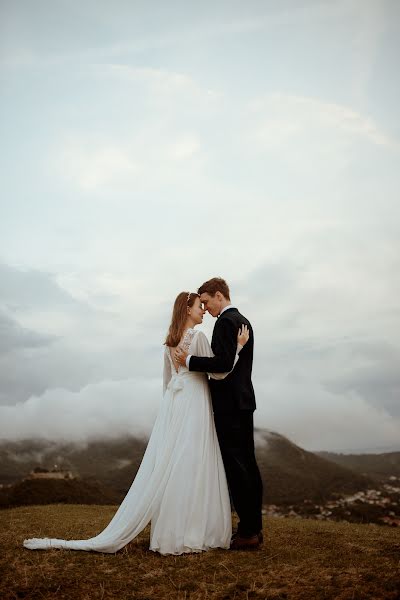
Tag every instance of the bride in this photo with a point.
(181, 485)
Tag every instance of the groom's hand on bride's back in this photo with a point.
(181, 356)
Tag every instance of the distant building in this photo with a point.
(41, 473)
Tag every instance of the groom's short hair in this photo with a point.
(214, 285)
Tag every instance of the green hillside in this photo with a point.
(51, 491)
(290, 474)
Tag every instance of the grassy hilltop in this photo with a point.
(300, 560)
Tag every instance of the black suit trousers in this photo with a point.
(236, 439)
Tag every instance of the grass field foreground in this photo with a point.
(300, 560)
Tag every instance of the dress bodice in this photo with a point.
(174, 379)
(185, 344)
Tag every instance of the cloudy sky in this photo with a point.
(150, 145)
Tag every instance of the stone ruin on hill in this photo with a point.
(56, 473)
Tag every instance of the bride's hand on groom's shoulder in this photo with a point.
(243, 335)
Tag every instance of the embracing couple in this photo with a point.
(201, 450)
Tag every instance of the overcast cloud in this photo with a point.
(150, 146)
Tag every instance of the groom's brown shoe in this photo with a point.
(259, 534)
(246, 543)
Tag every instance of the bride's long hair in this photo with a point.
(179, 317)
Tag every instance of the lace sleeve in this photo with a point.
(204, 349)
(167, 373)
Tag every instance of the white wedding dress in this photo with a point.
(181, 484)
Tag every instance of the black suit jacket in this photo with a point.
(235, 392)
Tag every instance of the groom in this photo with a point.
(233, 404)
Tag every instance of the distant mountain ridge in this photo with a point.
(290, 473)
(377, 466)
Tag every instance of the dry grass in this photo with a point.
(300, 560)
